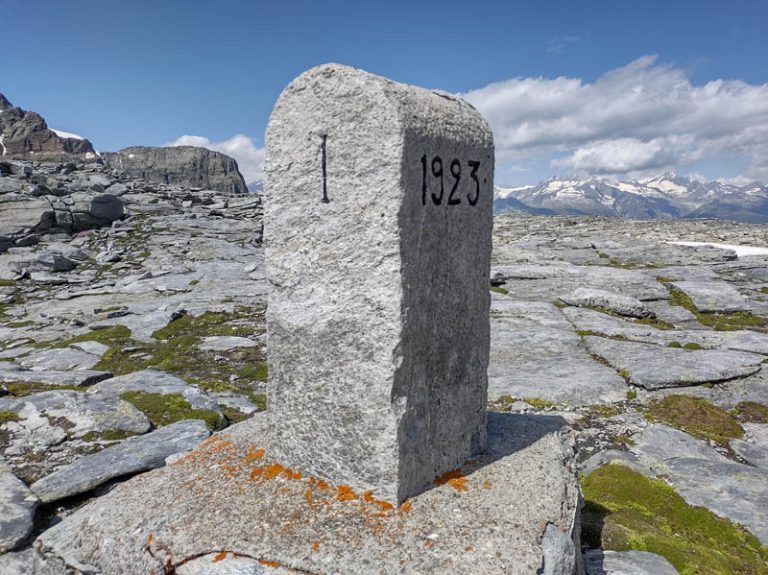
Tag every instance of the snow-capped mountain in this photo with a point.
(666, 196)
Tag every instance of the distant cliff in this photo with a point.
(183, 165)
(25, 135)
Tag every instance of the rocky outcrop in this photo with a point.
(180, 165)
(25, 135)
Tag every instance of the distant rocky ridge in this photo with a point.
(180, 165)
(664, 197)
(25, 135)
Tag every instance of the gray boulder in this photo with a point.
(133, 455)
(17, 511)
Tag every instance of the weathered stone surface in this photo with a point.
(82, 412)
(535, 352)
(19, 563)
(53, 378)
(59, 359)
(230, 564)
(599, 562)
(132, 455)
(181, 165)
(378, 317)
(754, 447)
(17, 512)
(615, 302)
(657, 443)
(732, 490)
(655, 367)
(153, 381)
(714, 296)
(496, 515)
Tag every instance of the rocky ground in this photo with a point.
(130, 337)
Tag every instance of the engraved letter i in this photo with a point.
(325, 174)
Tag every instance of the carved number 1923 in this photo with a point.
(436, 167)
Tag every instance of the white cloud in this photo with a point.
(250, 159)
(642, 116)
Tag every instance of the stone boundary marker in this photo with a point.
(378, 220)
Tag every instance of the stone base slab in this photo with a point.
(513, 510)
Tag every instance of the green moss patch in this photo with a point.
(654, 322)
(717, 321)
(697, 417)
(108, 435)
(22, 388)
(625, 510)
(117, 335)
(8, 416)
(539, 403)
(163, 410)
(499, 290)
(751, 412)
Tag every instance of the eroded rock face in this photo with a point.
(27, 136)
(181, 165)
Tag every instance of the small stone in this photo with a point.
(225, 343)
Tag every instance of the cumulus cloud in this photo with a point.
(250, 158)
(642, 116)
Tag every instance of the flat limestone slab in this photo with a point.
(229, 495)
(656, 367)
(714, 296)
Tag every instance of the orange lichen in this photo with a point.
(323, 485)
(220, 556)
(487, 484)
(346, 493)
(273, 470)
(405, 506)
(453, 478)
(308, 496)
(315, 546)
(150, 540)
(267, 563)
(253, 454)
(257, 472)
(384, 505)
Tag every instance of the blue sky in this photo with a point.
(617, 88)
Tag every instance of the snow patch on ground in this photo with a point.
(741, 251)
(63, 134)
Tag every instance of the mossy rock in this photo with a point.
(165, 409)
(8, 416)
(717, 321)
(697, 417)
(23, 388)
(751, 412)
(116, 335)
(625, 510)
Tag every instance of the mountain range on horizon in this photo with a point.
(664, 197)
